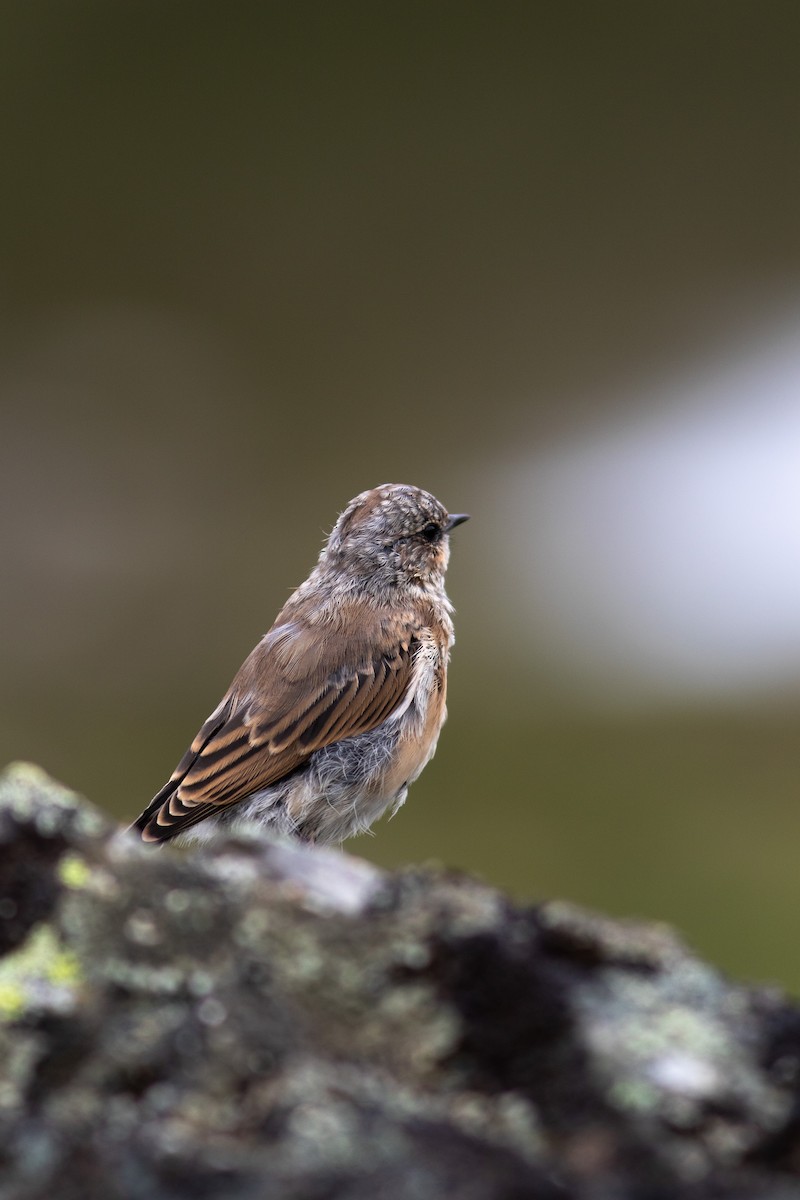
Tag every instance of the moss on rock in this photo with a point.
(260, 1019)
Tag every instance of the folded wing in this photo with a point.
(296, 693)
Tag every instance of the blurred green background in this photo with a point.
(542, 259)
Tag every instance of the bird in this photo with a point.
(339, 707)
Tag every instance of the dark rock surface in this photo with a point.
(264, 1021)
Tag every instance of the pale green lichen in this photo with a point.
(139, 977)
(31, 795)
(634, 1096)
(74, 872)
(12, 1001)
(42, 974)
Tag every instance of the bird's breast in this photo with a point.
(422, 718)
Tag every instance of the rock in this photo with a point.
(259, 1020)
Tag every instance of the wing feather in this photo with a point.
(295, 694)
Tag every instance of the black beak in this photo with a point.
(456, 519)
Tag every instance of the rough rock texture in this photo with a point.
(266, 1021)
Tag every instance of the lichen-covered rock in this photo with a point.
(266, 1020)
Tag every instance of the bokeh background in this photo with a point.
(542, 259)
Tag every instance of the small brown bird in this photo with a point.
(339, 707)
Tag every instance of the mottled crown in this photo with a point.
(386, 513)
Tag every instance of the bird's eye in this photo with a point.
(431, 532)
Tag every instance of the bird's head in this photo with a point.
(391, 535)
